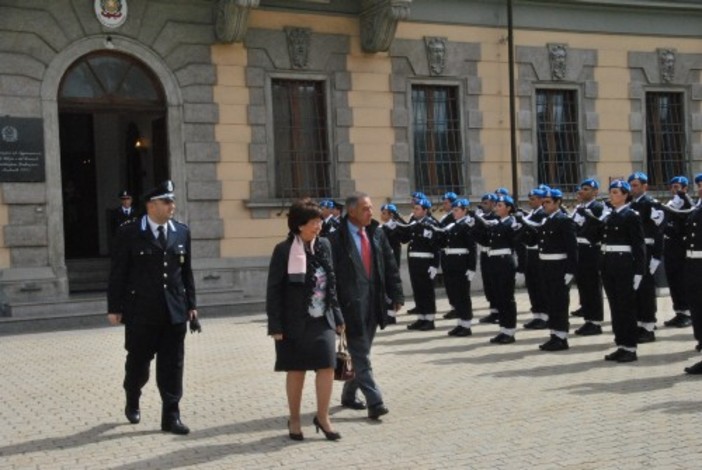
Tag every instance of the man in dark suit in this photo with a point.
(151, 290)
(366, 272)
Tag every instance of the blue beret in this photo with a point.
(389, 207)
(425, 203)
(620, 184)
(162, 191)
(327, 203)
(538, 192)
(592, 182)
(698, 177)
(418, 195)
(544, 187)
(460, 203)
(638, 175)
(506, 199)
(451, 196)
(502, 191)
(681, 180)
(489, 197)
(554, 193)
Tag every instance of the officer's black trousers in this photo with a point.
(488, 289)
(532, 279)
(500, 275)
(556, 293)
(674, 262)
(618, 280)
(646, 307)
(166, 342)
(694, 291)
(422, 285)
(458, 292)
(589, 282)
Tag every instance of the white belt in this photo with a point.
(616, 248)
(694, 254)
(583, 240)
(500, 252)
(419, 254)
(535, 247)
(483, 249)
(649, 241)
(456, 251)
(552, 256)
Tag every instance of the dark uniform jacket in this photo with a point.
(459, 235)
(644, 205)
(624, 228)
(496, 237)
(447, 220)
(350, 273)
(148, 284)
(590, 228)
(557, 236)
(329, 226)
(118, 217)
(693, 230)
(287, 301)
(420, 238)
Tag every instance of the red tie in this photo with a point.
(365, 251)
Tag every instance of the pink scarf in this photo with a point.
(297, 260)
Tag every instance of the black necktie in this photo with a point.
(162, 236)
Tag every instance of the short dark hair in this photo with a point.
(301, 212)
(352, 200)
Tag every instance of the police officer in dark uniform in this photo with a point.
(124, 212)
(587, 275)
(674, 252)
(388, 212)
(623, 265)
(152, 292)
(652, 217)
(447, 219)
(329, 223)
(531, 264)
(693, 266)
(458, 262)
(486, 211)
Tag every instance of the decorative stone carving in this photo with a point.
(436, 54)
(298, 46)
(379, 20)
(557, 55)
(231, 19)
(666, 64)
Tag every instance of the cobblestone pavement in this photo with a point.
(454, 403)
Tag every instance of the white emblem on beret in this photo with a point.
(169, 186)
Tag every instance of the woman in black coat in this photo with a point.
(303, 313)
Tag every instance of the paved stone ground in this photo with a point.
(454, 403)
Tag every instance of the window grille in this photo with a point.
(558, 140)
(438, 153)
(665, 137)
(301, 147)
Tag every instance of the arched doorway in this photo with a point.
(112, 132)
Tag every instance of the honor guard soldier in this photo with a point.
(674, 252)
(652, 218)
(447, 201)
(558, 258)
(486, 211)
(458, 262)
(623, 265)
(338, 211)
(388, 212)
(587, 275)
(531, 264)
(329, 222)
(151, 291)
(693, 266)
(414, 198)
(423, 262)
(498, 236)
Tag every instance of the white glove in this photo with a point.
(491, 222)
(479, 211)
(470, 221)
(470, 275)
(427, 233)
(637, 281)
(391, 224)
(605, 213)
(653, 265)
(516, 226)
(676, 203)
(567, 278)
(657, 216)
(579, 219)
(432, 272)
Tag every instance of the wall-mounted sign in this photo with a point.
(21, 149)
(111, 13)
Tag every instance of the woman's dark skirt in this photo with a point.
(316, 349)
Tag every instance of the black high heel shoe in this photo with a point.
(295, 436)
(330, 435)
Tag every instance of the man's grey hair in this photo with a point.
(352, 200)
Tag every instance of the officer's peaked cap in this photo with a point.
(124, 194)
(162, 191)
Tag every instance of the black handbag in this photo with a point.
(344, 368)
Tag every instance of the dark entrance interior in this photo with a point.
(112, 129)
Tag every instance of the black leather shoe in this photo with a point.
(376, 411)
(589, 329)
(627, 356)
(694, 370)
(536, 324)
(680, 320)
(493, 318)
(354, 405)
(451, 314)
(554, 344)
(427, 325)
(175, 426)
(614, 356)
(389, 320)
(502, 339)
(133, 415)
(645, 336)
(415, 325)
(577, 313)
(413, 310)
(460, 331)
(698, 347)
